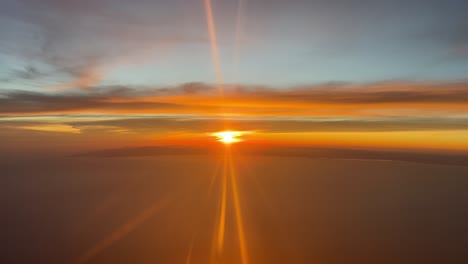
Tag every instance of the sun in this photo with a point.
(228, 137)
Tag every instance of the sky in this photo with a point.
(84, 74)
(348, 123)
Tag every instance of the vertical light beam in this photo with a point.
(214, 45)
(188, 260)
(237, 45)
(222, 212)
(238, 211)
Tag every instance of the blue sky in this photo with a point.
(68, 44)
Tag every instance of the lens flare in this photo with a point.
(214, 45)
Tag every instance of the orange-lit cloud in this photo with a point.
(339, 100)
(387, 115)
(52, 128)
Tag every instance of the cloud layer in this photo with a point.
(332, 100)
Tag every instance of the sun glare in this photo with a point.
(228, 137)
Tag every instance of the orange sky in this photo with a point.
(381, 115)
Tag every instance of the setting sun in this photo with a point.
(228, 137)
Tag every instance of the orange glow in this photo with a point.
(442, 140)
(238, 211)
(121, 232)
(222, 212)
(229, 185)
(59, 128)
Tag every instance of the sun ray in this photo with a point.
(188, 260)
(121, 232)
(222, 212)
(214, 45)
(240, 20)
(238, 210)
(213, 178)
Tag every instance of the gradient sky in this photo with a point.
(353, 116)
(281, 42)
(341, 66)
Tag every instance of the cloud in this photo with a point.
(29, 72)
(373, 93)
(205, 125)
(391, 99)
(34, 102)
(281, 125)
(76, 43)
(52, 128)
(386, 115)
